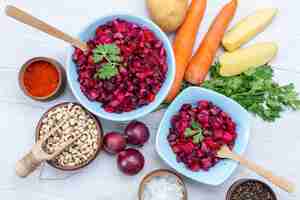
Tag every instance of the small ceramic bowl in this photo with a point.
(100, 139)
(241, 181)
(221, 171)
(61, 74)
(159, 173)
(95, 107)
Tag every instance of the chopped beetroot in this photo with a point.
(141, 74)
(207, 163)
(217, 129)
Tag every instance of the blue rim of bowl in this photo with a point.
(179, 170)
(157, 102)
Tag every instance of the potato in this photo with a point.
(241, 60)
(168, 14)
(247, 28)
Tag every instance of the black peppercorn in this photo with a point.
(249, 189)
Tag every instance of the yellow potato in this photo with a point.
(247, 28)
(168, 14)
(241, 60)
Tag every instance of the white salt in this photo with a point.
(163, 188)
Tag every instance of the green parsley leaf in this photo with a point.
(189, 132)
(98, 58)
(194, 130)
(197, 139)
(106, 71)
(195, 125)
(110, 54)
(256, 91)
(115, 58)
(107, 49)
(214, 72)
(112, 49)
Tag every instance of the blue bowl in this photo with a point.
(95, 107)
(222, 170)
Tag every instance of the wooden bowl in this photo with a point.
(61, 74)
(158, 173)
(244, 180)
(100, 139)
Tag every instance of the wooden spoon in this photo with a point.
(37, 155)
(281, 182)
(34, 22)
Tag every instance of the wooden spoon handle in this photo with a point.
(28, 19)
(27, 165)
(276, 180)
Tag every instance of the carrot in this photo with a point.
(184, 42)
(202, 60)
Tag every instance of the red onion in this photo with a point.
(137, 133)
(114, 142)
(130, 161)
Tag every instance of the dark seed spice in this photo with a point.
(252, 190)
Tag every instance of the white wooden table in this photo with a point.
(274, 145)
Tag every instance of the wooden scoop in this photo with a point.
(37, 155)
(281, 182)
(34, 22)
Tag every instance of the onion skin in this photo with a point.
(137, 133)
(114, 142)
(130, 161)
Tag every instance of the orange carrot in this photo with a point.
(184, 42)
(204, 57)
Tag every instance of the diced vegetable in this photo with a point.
(247, 28)
(241, 60)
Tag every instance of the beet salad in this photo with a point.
(124, 68)
(197, 134)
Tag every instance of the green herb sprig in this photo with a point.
(194, 131)
(255, 91)
(111, 54)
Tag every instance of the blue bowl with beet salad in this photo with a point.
(194, 128)
(127, 71)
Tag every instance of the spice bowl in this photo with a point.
(83, 151)
(161, 173)
(252, 189)
(57, 70)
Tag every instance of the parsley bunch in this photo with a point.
(255, 91)
(111, 54)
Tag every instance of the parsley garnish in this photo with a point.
(198, 138)
(195, 131)
(255, 91)
(106, 71)
(110, 54)
(195, 125)
(189, 132)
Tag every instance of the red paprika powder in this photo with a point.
(40, 79)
